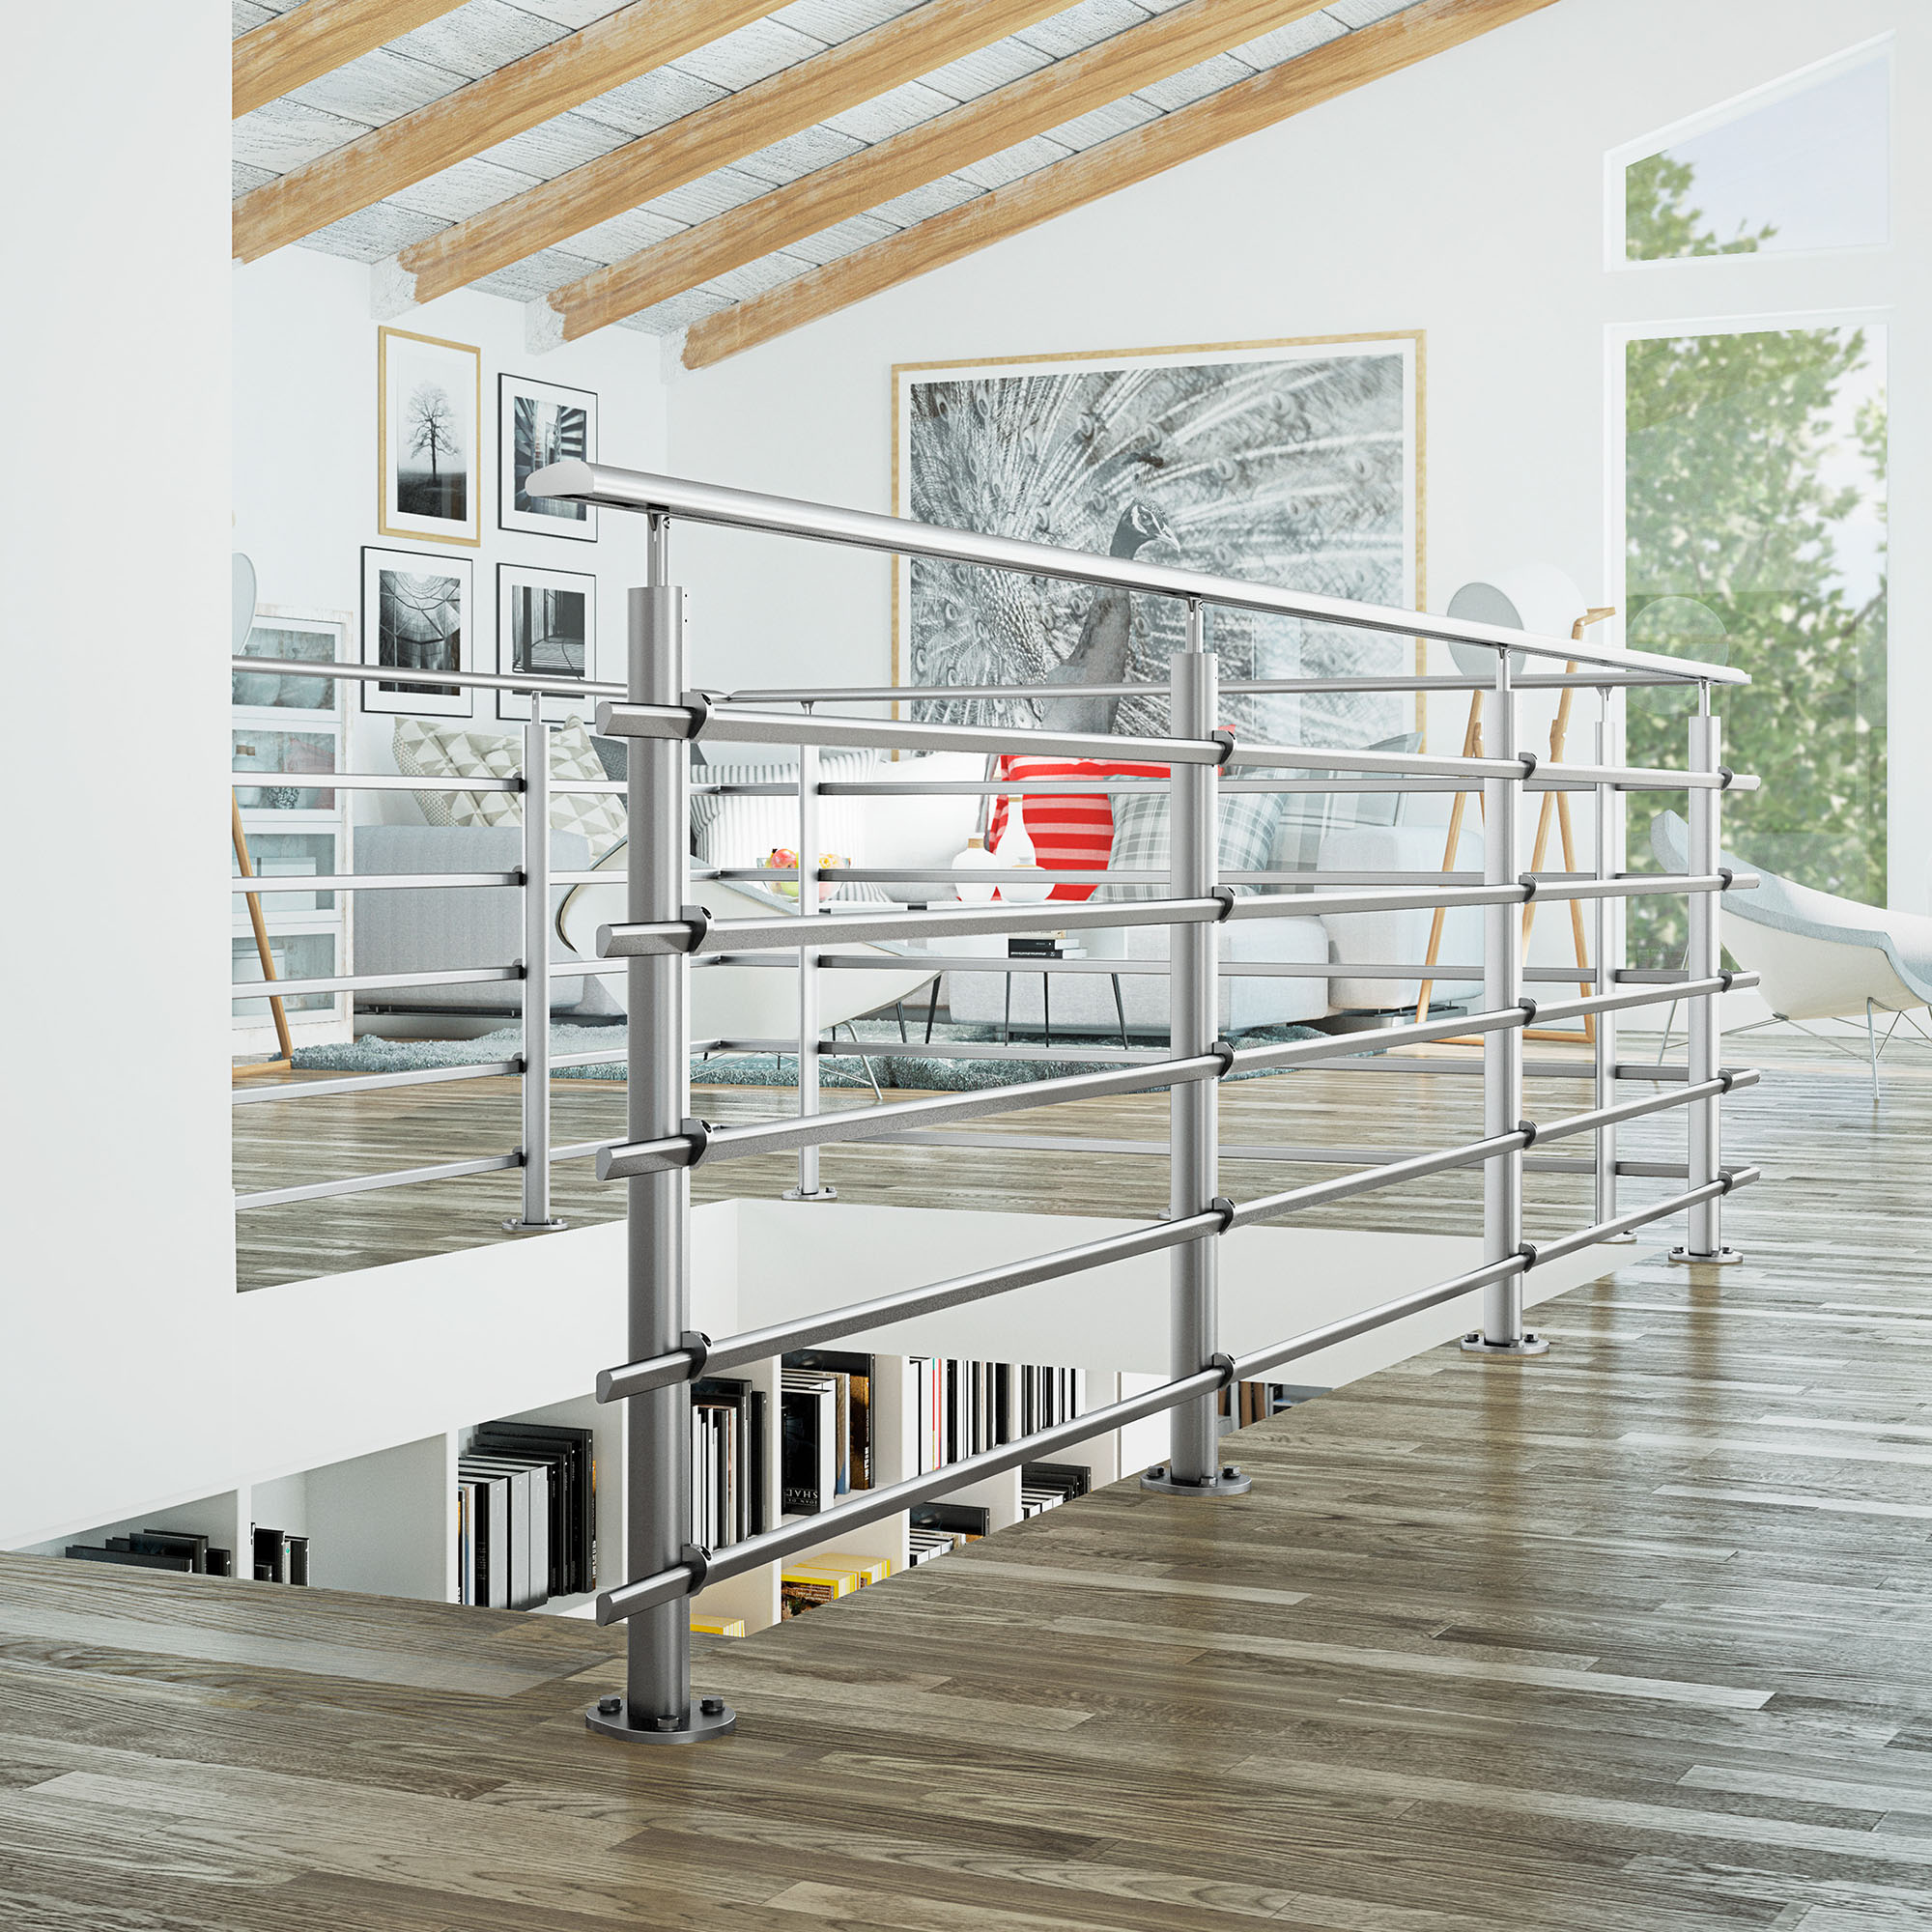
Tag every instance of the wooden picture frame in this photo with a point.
(1079, 411)
(428, 431)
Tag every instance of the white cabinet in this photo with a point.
(293, 731)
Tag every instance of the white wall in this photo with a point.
(1462, 197)
(306, 457)
(119, 1265)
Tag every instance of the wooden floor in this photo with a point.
(1633, 1639)
(301, 1141)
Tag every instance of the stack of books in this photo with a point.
(826, 1452)
(1046, 1486)
(161, 1549)
(937, 1529)
(964, 1407)
(278, 1556)
(716, 1626)
(807, 1582)
(727, 1462)
(527, 1515)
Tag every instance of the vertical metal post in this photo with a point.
(1194, 1127)
(1704, 1244)
(657, 1705)
(535, 1078)
(1502, 1332)
(1607, 946)
(809, 1187)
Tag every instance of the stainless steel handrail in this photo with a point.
(672, 496)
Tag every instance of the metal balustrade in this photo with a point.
(664, 938)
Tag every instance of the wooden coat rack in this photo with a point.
(1556, 805)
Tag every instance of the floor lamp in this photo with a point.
(1534, 597)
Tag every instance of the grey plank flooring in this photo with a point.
(1633, 1638)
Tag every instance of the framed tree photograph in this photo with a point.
(539, 423)
(1293, 463)
(547, 626)
(429, 410)
(415, 616)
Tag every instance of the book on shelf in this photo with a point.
(963, 1407)
(702, 1625)
(277, 1555)
(728, 1460)
(937, 1529)
(809, 1450)
(570, 1458)
(1046, 1486)
(852, 1395)
(187, 1552)
(512, 1517)
(136, 1559)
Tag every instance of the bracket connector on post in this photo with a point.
(1226, 740)
(699, 1133)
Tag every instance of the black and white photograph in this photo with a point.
(1290, 463)
(415, 616)
(428, 411)
(547, 626)
(538, 423)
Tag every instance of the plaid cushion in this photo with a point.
(1142, 842)
(428, 747)
(1307, 817)
(1070, 832)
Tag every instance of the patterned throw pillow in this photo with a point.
(1070, 832)
(426, 748)
(1308, 817)
(741, 829)
(1141, 838)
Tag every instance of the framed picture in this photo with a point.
(429, 410)
(1296, 463)
(546, 625)
(415, 616)
(539, 423)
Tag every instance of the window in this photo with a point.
(1801, 165)
(1754, 507)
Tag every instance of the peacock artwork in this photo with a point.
(1292, 464)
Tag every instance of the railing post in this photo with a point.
(1608, 944)
(1193, 994)
(1704, 1242)
(809, 1187)
(535, 1077)
(657, 1705)
(1502, 1332)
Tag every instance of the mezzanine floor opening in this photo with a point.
(1632, 1635)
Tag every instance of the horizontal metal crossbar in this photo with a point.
(370, 1083)
(369, 882)
(643, 492)
(706, 935)
(1232, 687)
(482, 680)
(682, 1579)
(372, 782)
(371, 1183)
(1250, 969)
(365, 983)
(1280, 1156)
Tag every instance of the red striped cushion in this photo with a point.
(1071, 832)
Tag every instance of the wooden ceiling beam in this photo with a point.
(553, 80)
(842, 78)
(311, 40)
(1366, 55)
(1093, 77)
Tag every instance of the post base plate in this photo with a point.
(533, 1227)
(816, 1194)
(1530, 1344)
(1724, 1257)
(610, 1716)
(1229, 1482)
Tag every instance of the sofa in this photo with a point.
(452, 927)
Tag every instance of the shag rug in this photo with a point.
(906, 1068)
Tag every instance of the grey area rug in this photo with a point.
(906, 1068)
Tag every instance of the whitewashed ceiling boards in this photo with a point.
(734, 169)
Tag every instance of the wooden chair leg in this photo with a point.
(1472, 742)
(262, 951)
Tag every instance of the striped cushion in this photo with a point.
(1141, 838)
(1071, 832)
